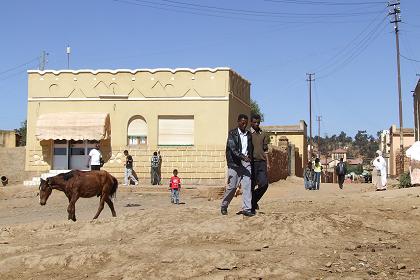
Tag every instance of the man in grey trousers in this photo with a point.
(239, 152)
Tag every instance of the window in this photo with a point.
(176, 130)
(137, 131)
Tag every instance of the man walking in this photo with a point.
(128, 172)
(341, 171)
(154, 171)
(238, 156)
(260, 162)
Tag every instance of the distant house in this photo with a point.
(416, 102)
(354, 161)
(394, 135)
(8, 139)
(339, 153)
(295, 134)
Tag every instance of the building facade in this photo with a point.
(184, 113)
(296, 135)
(416, 103)
(394, 151)
(8, 139)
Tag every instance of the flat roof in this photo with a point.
(134, 71)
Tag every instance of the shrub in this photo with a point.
(405, 180)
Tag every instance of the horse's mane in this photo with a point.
(67, 176)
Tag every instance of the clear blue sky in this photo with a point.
(349, 44)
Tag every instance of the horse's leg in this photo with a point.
(71, 208)
(101, 206)
(111, 206)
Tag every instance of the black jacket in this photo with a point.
(234, 148)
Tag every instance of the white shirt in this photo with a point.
(244, 141)
(95, 157)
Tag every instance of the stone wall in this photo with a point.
(12, 164)
(7, 139)
(278, 157)
(204, 165)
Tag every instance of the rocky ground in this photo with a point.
(355, 233)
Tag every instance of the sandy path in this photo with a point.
(329, 234)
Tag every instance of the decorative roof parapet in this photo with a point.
(134, 71)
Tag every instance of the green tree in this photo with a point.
(22, 132)
(255, 109)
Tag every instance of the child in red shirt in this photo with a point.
(175, 186)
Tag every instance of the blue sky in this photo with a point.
(349, 45)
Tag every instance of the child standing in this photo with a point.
(175, 186)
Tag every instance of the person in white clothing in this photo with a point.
(94, 158)
(380, 165)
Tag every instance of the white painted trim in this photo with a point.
(33, 99)
(132, 71)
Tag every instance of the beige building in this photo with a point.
(186, 113)
(416, 103)
(295, 134)
(339, 153)
(7, 139)
(394, 136)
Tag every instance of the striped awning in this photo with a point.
(73, 126)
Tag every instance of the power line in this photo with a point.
(19, 66)
(359, 48)
(327, 3)
(251, 12)
(221, 12)
(410, 59)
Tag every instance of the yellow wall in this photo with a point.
(7, 139)
(297, 139)
(213, 96)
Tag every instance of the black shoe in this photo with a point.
(223, 210)
(248, 213)
(253, 211)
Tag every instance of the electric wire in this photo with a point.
(359, 48)
(335, 59)
(19, 66)
(213, 11)
(327, 3)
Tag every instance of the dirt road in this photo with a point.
(355, 233)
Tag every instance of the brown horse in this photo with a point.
(77, 184)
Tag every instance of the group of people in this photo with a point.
(95, 162)
(312, 173)
(248, 165)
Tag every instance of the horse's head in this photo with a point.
(45, 190)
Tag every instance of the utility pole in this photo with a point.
(43, 61)
(395, 11)
(310, 80)
(318, 118)
(68, 51)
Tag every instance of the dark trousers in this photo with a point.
(340, 180)
(95, 167)
(154, 176)
(260, 178)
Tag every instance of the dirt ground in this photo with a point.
(355, 233)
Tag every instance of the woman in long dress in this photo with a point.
(380, 166)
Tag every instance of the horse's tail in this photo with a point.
(114, 188)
